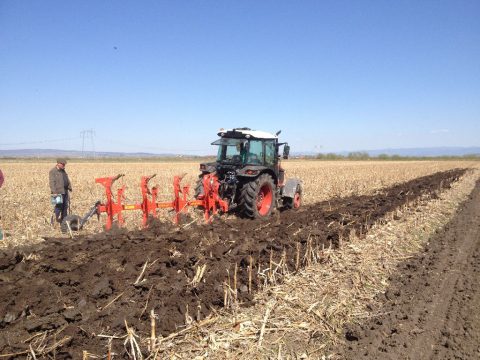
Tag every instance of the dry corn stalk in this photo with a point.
(199, 271)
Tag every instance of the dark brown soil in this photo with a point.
(66, 289)
(432, 307)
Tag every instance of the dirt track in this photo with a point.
(88, 286)
(432, 307)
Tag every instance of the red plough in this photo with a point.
(210, 201)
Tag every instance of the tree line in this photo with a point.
(362, 155)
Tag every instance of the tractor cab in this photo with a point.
(244, 146)
(246, 151)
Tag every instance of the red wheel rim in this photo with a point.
(264, 200)
(297, 200)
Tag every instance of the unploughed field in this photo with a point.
(131, 293)
(25, 197)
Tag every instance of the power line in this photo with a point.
(38, 142)
(104, 140)
(89, 134)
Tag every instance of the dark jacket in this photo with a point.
(57, 179)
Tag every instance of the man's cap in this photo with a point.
(61, 161)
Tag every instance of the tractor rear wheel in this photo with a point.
(70, 220)
(257, 197)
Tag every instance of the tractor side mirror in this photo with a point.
(286, 151)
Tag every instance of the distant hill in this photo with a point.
(47, 153)
(422, 152)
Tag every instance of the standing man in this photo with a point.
(59, 187)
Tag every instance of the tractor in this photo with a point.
(250, 177)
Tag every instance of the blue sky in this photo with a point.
(164, 76)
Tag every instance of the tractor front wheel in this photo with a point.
(295, 202)
(257, 198)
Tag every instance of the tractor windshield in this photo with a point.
(230, 150)
(240, 151)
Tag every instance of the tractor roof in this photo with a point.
(241, 133)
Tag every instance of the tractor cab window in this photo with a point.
(270, 153)
(255, 153)
(230, 150)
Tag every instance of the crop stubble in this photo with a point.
(26, 211)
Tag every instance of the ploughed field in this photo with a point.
(66, 296)
(431, 309)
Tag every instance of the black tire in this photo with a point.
(199, 187)
(73, 220)
(257, 197)
(290, 203)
